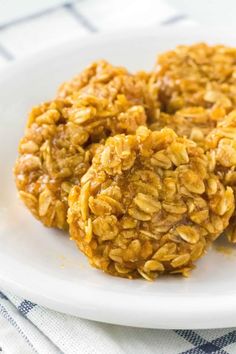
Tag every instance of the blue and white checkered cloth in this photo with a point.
(27, 26)
(34, 329)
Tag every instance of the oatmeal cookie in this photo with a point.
(148, 205)
(196, 75)
(51, 159)
(222, 149)
(62, 135)
(194, 123)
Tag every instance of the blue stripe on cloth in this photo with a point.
(2, 296)
(25, 307)
(4, 52)
(202, 346)
(11, 320)
(205, 349)
(80, 18)
(225, 340)
(32, 16)
(174, 19)
(191, 337)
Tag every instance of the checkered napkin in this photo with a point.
(27, 26)
(29, 328)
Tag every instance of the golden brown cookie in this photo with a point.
(196, 75)
(148, 205)
(51, 159)
(98, 72)
(194, 123)
(61, 136)
(222, 150)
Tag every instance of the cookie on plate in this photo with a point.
(148, 205)
(196, 75)
(222, 150)
(62, 135)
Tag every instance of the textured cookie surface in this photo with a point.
(196, 75)
(194, 123)
(148, 205)
(222, 148)
(62, 135)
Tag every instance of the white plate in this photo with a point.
(41, 264)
